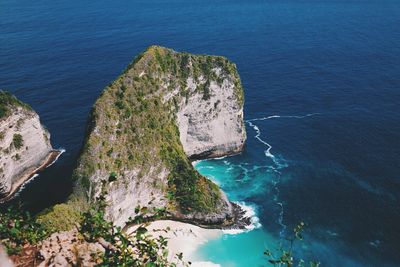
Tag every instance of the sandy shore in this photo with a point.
(29, 174)
(183, 237)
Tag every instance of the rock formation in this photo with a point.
(165, 108)
(24, 144)
(211, 122)
(69, 248)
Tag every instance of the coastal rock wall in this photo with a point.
(139, 190)
(165, 107)
(212, 127)
(24, 143)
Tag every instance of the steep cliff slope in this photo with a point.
(24, 143)
(210, 119)
(165, 107)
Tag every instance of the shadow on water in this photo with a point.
(51, 186)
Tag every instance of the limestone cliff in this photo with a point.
(165, 107)
(24, 143)
(210, 120)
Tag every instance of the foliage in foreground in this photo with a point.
(285, 256)
(18, 229)
(138, 249)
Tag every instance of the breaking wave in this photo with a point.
(250, 212)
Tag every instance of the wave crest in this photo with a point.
(249, 212)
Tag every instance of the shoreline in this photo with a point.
(186, 237)
(46, 162)
(182, 238)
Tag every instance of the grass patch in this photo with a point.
(18, 141)
(62, 217)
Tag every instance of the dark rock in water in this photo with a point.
(241, 220)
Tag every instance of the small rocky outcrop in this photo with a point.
(166, 109)
(24, 144)
(69, 248)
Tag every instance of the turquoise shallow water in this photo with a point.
(244, 249)
(242, 178)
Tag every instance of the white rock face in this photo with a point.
(146, 192)
(214, 127)
(18, 161)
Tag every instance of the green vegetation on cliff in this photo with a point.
(133, 126)
(7, 102)
(18, 141)
(139, 248)
(62, 217)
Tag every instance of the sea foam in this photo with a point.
(61, 150)
(249, 212)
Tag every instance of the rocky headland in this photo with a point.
(166, 109)
(25, 145)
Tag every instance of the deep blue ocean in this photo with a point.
(322, 88)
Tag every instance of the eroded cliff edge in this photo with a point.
(165, 108)
(24, 144)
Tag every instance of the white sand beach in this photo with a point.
(183, 238)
